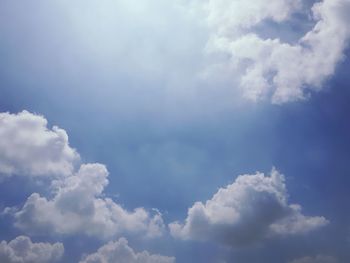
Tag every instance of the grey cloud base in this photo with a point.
(253, 208)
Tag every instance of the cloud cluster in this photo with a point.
(252, 208)
(120, 251)
(76, 203)
(77, 207)
(316, 259)
(23, 250)
(28, 147)
(271, 68)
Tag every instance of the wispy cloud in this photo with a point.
(270, 68)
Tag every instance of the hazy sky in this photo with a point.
(174, 131)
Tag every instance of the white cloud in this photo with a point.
(77, 206)
(316, 259)
(252, 208)
(28, 147)
(23, 250)
(120, 252)
(226, 16)
(76, 203)
(270, 68)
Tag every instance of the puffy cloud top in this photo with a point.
(77, 207)
(254, 207)
(120, 252)
(28, 147)
(23, 250)
(76, 203)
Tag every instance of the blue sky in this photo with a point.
(213, 118)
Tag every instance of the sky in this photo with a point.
(152, 131)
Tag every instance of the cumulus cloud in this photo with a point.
(271, 68)
(28, 147)
(316, 259)
(120, 251)
(76, 203)
(23, 250)
(252, 208)
(77, 206)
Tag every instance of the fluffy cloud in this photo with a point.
(22, 250)
(77, 206)
(254, 207)
(317, 259)
(76, 203)
(271, 68)
(120, 252)
(29, 147)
